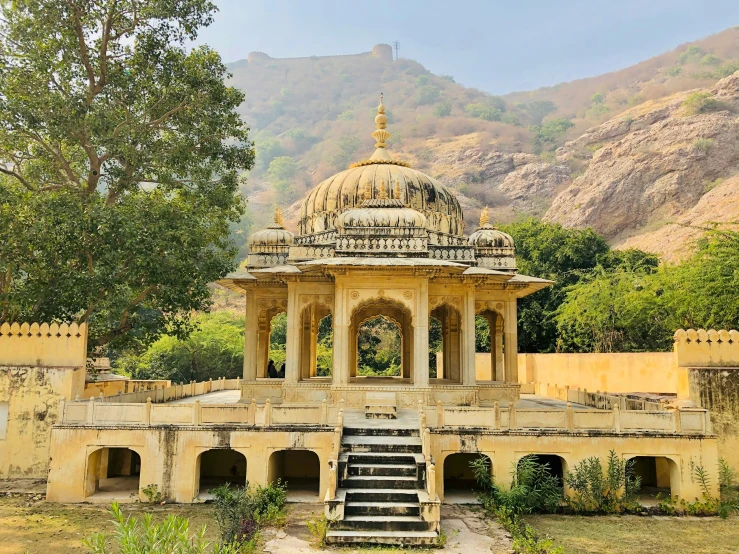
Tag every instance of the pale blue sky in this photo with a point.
(497, 46)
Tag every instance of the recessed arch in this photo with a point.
(218, 466)
(299, 469)
(489, 338)
(555, 465)
(658, 475)
(316, 341)
(449, 362)
(459, 478)
(113, 473)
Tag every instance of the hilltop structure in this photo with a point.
(378, 239)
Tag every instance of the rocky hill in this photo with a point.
(622, 152)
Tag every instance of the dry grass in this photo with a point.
(641, 535)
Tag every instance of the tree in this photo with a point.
(281, 173)
(548, 134)
(538, 109)
(120, 151)
(550, 251)
(442, 109)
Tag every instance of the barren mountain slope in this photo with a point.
(652, 163)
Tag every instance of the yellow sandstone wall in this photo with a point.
(39, 364)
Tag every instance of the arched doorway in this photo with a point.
(272, 340)
(388, 324)
(449, 362)
(555, 465)
(459, 478)
(489, 339)
(220, 466)
(658, 474)
(113, 473)
(300, 470)
(316, 342)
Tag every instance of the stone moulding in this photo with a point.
(707, 348)
(48, 345)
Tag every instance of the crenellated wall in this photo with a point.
(707, 348)
(39, 364)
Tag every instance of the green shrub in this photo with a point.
(427, 94)
(533, 488)
(595, 490)
(702, 144)
(525, 538)
(442, 109)
(172, 535)
(318, 527)
(674, 71)
(240, 511)
(701, 102)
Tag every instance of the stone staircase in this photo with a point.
(382, 483)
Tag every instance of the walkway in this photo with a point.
(217, 397)
(534, 401)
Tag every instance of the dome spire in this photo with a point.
(278, 216)
(380, 134)
(383, 191)
(484, 217)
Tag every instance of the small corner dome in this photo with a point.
(274, 235)
(489, 237)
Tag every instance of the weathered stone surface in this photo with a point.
(656, 164)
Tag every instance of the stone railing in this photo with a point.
(100, 414)
(689, 421)
(333, 463)
(707, 348)
(597, 399)
(45, 345)
(426, 450)
(173, 392)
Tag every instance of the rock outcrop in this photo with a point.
(651, 165)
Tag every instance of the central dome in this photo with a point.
(378, 176)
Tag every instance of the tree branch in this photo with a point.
(18, 176)
(91, 92)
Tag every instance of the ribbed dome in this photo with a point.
(271, 239)
(400, 218)
(489, 237)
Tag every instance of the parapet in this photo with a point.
(47, 345)
(707, 348)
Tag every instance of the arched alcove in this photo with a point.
(219, 466)
(658, 474)
(300, 470)
(459, 478)
(316, 341)
(113, 473)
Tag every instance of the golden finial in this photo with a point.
(484, 217)
(383, 191)
(381, 135)
(278, 216)
(367, 194)
(396, 191)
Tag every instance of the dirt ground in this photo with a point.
(641, 535)
(30, 525)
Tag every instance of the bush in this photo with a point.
(701, 102)
(533, 488)
(702, 145)
(602, 492)
(318, 527)
(171, 535)
(240, 511)
(442, 109)
(427, 94)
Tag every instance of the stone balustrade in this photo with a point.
(173, 392)
(691, 421)
(597, 399)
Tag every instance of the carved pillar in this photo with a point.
(292, 355)
(468, 337)
(263, 346)
(497, 338)
(511, 342)
(251, 332)
(421, 337)
(313, 340)
(340, 370)
(305, 344)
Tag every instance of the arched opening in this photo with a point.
(316, 342)
(272, 343)
(435, 347)
(382, 345)
(449, 358)
(300, 470)
(657, 475)
(489, 339)
(113, 473)
(459, 477)
(554, 465)
(220, 466)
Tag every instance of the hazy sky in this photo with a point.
(497, 46)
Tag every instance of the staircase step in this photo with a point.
(380, 444)
(381, 431)
(380, 482)
(382, 509)
(406, 538)
(390, 470)
(381, 458)
(385, 523)
(405, 496)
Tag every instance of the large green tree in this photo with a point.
(120, 151)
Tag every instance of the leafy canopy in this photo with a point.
(120, 152)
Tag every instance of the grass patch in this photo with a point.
(639, 535)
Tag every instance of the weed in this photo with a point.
(318, 527)
(152, 493)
